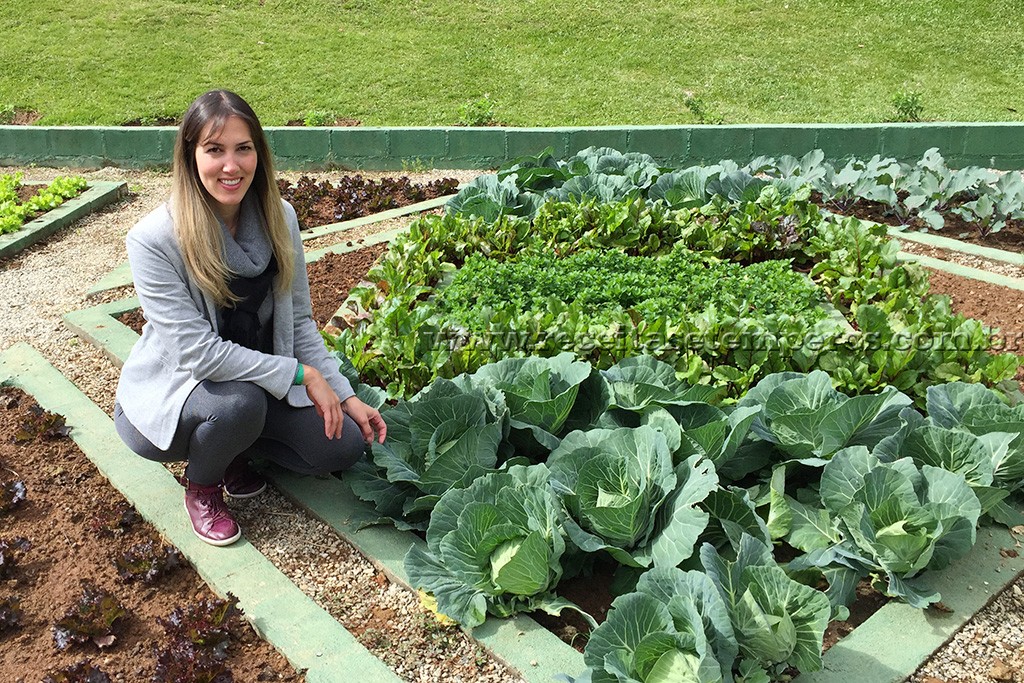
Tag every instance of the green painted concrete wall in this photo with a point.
(996, 145)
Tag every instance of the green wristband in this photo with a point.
(299, 374)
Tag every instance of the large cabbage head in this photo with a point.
(893, 521)
(495, 547)
(625, 496)
(778, 623)
(546, 397)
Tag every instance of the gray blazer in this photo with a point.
(180, 345)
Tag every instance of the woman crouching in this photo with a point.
(230, 363)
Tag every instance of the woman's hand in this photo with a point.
(326, 402)
(368, 419)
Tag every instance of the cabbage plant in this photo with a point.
(978, 410)
(645, 391)
(445, 437)
(674, 628)
(625, 496)
(804, 417)
(546, 397)
(494, 547)
(890, 521)
(777, 622)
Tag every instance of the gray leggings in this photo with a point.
(221, 420)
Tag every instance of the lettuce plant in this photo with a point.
(93, 617)
(444, 438)
(81, 672)
(626, 497)
(494, 547)
(890, 520)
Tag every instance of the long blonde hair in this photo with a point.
(195, 224)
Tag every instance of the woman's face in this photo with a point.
(226, 162)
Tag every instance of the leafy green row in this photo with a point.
(679, 283)
(401, 338)
(14, 213)
(531, 466)
(919, 194)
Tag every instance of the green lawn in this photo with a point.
(594, 62)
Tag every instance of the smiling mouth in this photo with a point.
(231, 183)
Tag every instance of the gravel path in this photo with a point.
(47, 280)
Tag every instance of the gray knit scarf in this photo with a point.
(250, 256)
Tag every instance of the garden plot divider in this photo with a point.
(97, 195)
(309, 637)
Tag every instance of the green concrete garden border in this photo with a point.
(994, 145)
(930, 239)
(964, 271)
(309, 637)
(880, 651)
(98, 194)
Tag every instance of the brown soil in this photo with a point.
(24, 117)
(998, 307)
(1010, 238)
(66, 501)
(867, 602)
(330, 279)
(27, 192)
(333, 275)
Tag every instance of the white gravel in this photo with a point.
(49, 279)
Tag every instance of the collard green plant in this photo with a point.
(624, 495)
(932, 186)
(494, 547)
(674, 628)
